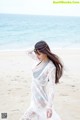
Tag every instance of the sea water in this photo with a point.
(23, 31)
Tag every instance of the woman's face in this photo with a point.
(41, 56)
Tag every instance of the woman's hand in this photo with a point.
(49, 112)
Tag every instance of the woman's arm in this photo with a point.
(30, 53)
(51, 88)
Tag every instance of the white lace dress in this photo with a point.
(42, 88)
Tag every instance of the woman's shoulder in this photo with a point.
(51, 65)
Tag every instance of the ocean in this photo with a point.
(18, 32)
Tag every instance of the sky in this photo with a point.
(39, 7)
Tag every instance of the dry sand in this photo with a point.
(15, 82)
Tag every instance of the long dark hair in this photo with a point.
(43, 47)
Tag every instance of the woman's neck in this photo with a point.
(46, 60)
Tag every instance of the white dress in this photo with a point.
(43, 89)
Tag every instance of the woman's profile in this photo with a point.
(45, 75)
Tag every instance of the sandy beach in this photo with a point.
(15, 83)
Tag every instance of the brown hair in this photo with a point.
(43, 47)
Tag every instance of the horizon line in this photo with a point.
(41, 14)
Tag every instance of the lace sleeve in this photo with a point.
(30, 53)
(51, 88)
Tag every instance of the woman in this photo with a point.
(45, 75)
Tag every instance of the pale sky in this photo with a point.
(39, 7)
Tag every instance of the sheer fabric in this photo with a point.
(42, 90)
